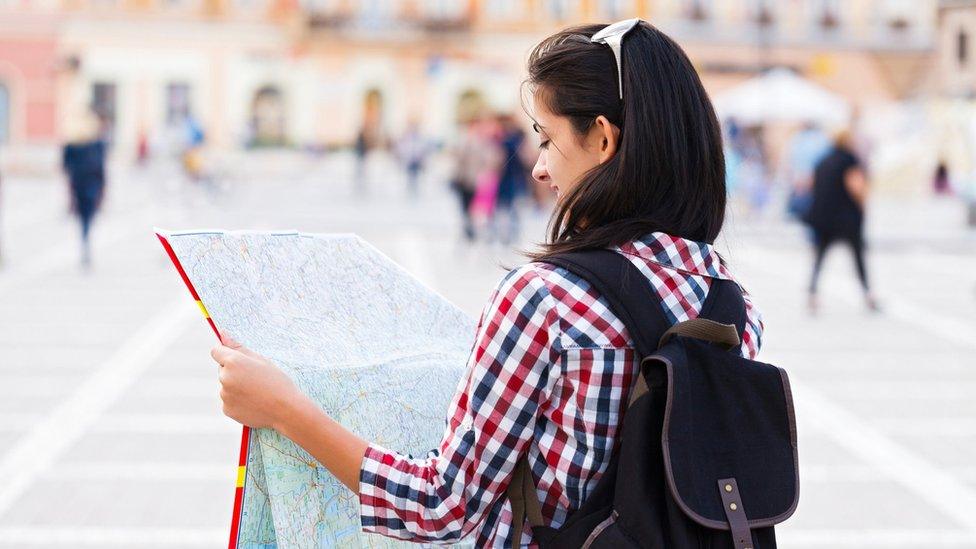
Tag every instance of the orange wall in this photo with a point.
(28, 67)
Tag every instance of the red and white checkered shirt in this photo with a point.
(549, 377)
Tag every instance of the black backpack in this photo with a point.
(707, 452)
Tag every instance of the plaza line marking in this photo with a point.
(105, 235)
(36, 451)
(166, 424)
(901, 537)
(140, 471)
(200, 424)
(940, 489)
(937, 486)
(83, 536)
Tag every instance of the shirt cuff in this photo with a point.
(373, 476)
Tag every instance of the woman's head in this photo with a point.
(651, 161)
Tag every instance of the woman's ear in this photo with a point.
(607, 138)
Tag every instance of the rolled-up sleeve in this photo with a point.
(752, 336)
(444, 496)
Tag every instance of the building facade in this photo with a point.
(309, 72)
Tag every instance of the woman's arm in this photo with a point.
(445, 495)
(256, 393)
(338, 449)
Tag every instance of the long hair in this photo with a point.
(668, 173)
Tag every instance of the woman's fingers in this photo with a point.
(229, 341)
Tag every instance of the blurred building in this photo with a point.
(309, 72)
(957, 67)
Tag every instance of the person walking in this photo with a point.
(475, 156)
(635, 160)
(511, 182)
(840, 193)
(412, 150)
(83, 160)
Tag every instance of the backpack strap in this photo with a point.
(631, 297)
(619, 282)
(635, 302)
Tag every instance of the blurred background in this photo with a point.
(403, 121)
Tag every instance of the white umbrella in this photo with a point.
(782, 96)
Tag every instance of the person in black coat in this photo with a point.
(84, 162)
(840, 190)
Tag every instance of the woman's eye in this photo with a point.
(544, 144)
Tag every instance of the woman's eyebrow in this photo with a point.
(538, 127)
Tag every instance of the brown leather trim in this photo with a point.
(789, 406)
(598, 529)
(702, 328)
(668, 469)
(735, 513)
(640, 389)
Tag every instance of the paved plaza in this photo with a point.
(110, 427)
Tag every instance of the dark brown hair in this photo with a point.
(668, 173)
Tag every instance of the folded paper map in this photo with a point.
(375, 348)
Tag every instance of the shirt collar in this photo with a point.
(685, 255)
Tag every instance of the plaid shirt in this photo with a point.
(549, 376)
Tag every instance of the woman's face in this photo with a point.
(566, 156)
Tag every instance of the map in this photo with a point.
(375, 348)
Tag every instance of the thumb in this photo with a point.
(228, 341)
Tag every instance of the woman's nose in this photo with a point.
(539, 171)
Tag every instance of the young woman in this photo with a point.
(637, 167)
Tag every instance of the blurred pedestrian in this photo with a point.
(370, 138)
(192, 153)
(83, 159)
(840, 192)
(940, 181)
(360, 149)
(474, 157)
(142, 148)
(511, 182)
(489, 134)
(412, 150)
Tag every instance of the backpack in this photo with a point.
(706, 456)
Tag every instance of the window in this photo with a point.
(762, 12)
(177, 102)
(898, 14)
(561, 10)
(962, 48)
(698, 10)
(268, 117)
(325, 7)
(826, 13)
(614, 10)
(443, 9)
(377, 10)
(504, 10)
(251, 5)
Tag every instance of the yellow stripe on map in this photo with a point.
(241, 470)
(203, 309)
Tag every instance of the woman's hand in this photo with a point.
(254, 391)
